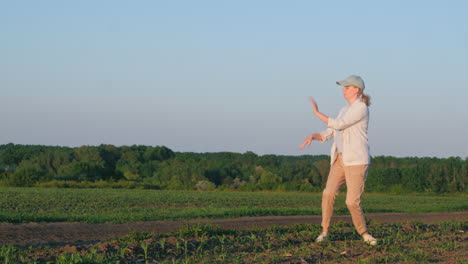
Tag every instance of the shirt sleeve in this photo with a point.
(354, 115)
(327, 134)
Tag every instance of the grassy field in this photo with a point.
(408, 242)
(120, 206)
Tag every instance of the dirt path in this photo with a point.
(80, 233)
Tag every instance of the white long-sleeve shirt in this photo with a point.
(352, 120)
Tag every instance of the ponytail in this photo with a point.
(366, 99)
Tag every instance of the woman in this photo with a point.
(349, 155)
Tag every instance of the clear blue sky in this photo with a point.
(210, 76)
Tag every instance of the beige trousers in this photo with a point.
(355, 178)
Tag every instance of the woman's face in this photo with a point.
(350, 92)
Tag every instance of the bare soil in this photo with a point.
(64, 233)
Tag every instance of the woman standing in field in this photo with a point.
(349, 155)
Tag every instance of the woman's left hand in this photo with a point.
(322, 117)
(314, 104)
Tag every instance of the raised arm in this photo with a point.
(322, 117)
(354, 115)
(322, 136)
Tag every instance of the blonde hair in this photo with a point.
(365, 97)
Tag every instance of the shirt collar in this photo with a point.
(358, 100)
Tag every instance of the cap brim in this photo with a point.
(343, 83)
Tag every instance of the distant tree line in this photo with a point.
(161, 168)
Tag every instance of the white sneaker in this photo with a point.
(322, 237)
(370, 240)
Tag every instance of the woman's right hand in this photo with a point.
(309, 139)
(306, 142)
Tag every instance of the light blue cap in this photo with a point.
(353, 80)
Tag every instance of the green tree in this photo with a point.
(88, 164)
(158, 153)
(129, 165)
(268, 181)
(27, 174)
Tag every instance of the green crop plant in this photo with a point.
(203, 241)
(145, 245)
(222, 241)
(122, 249)
(7, 253)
